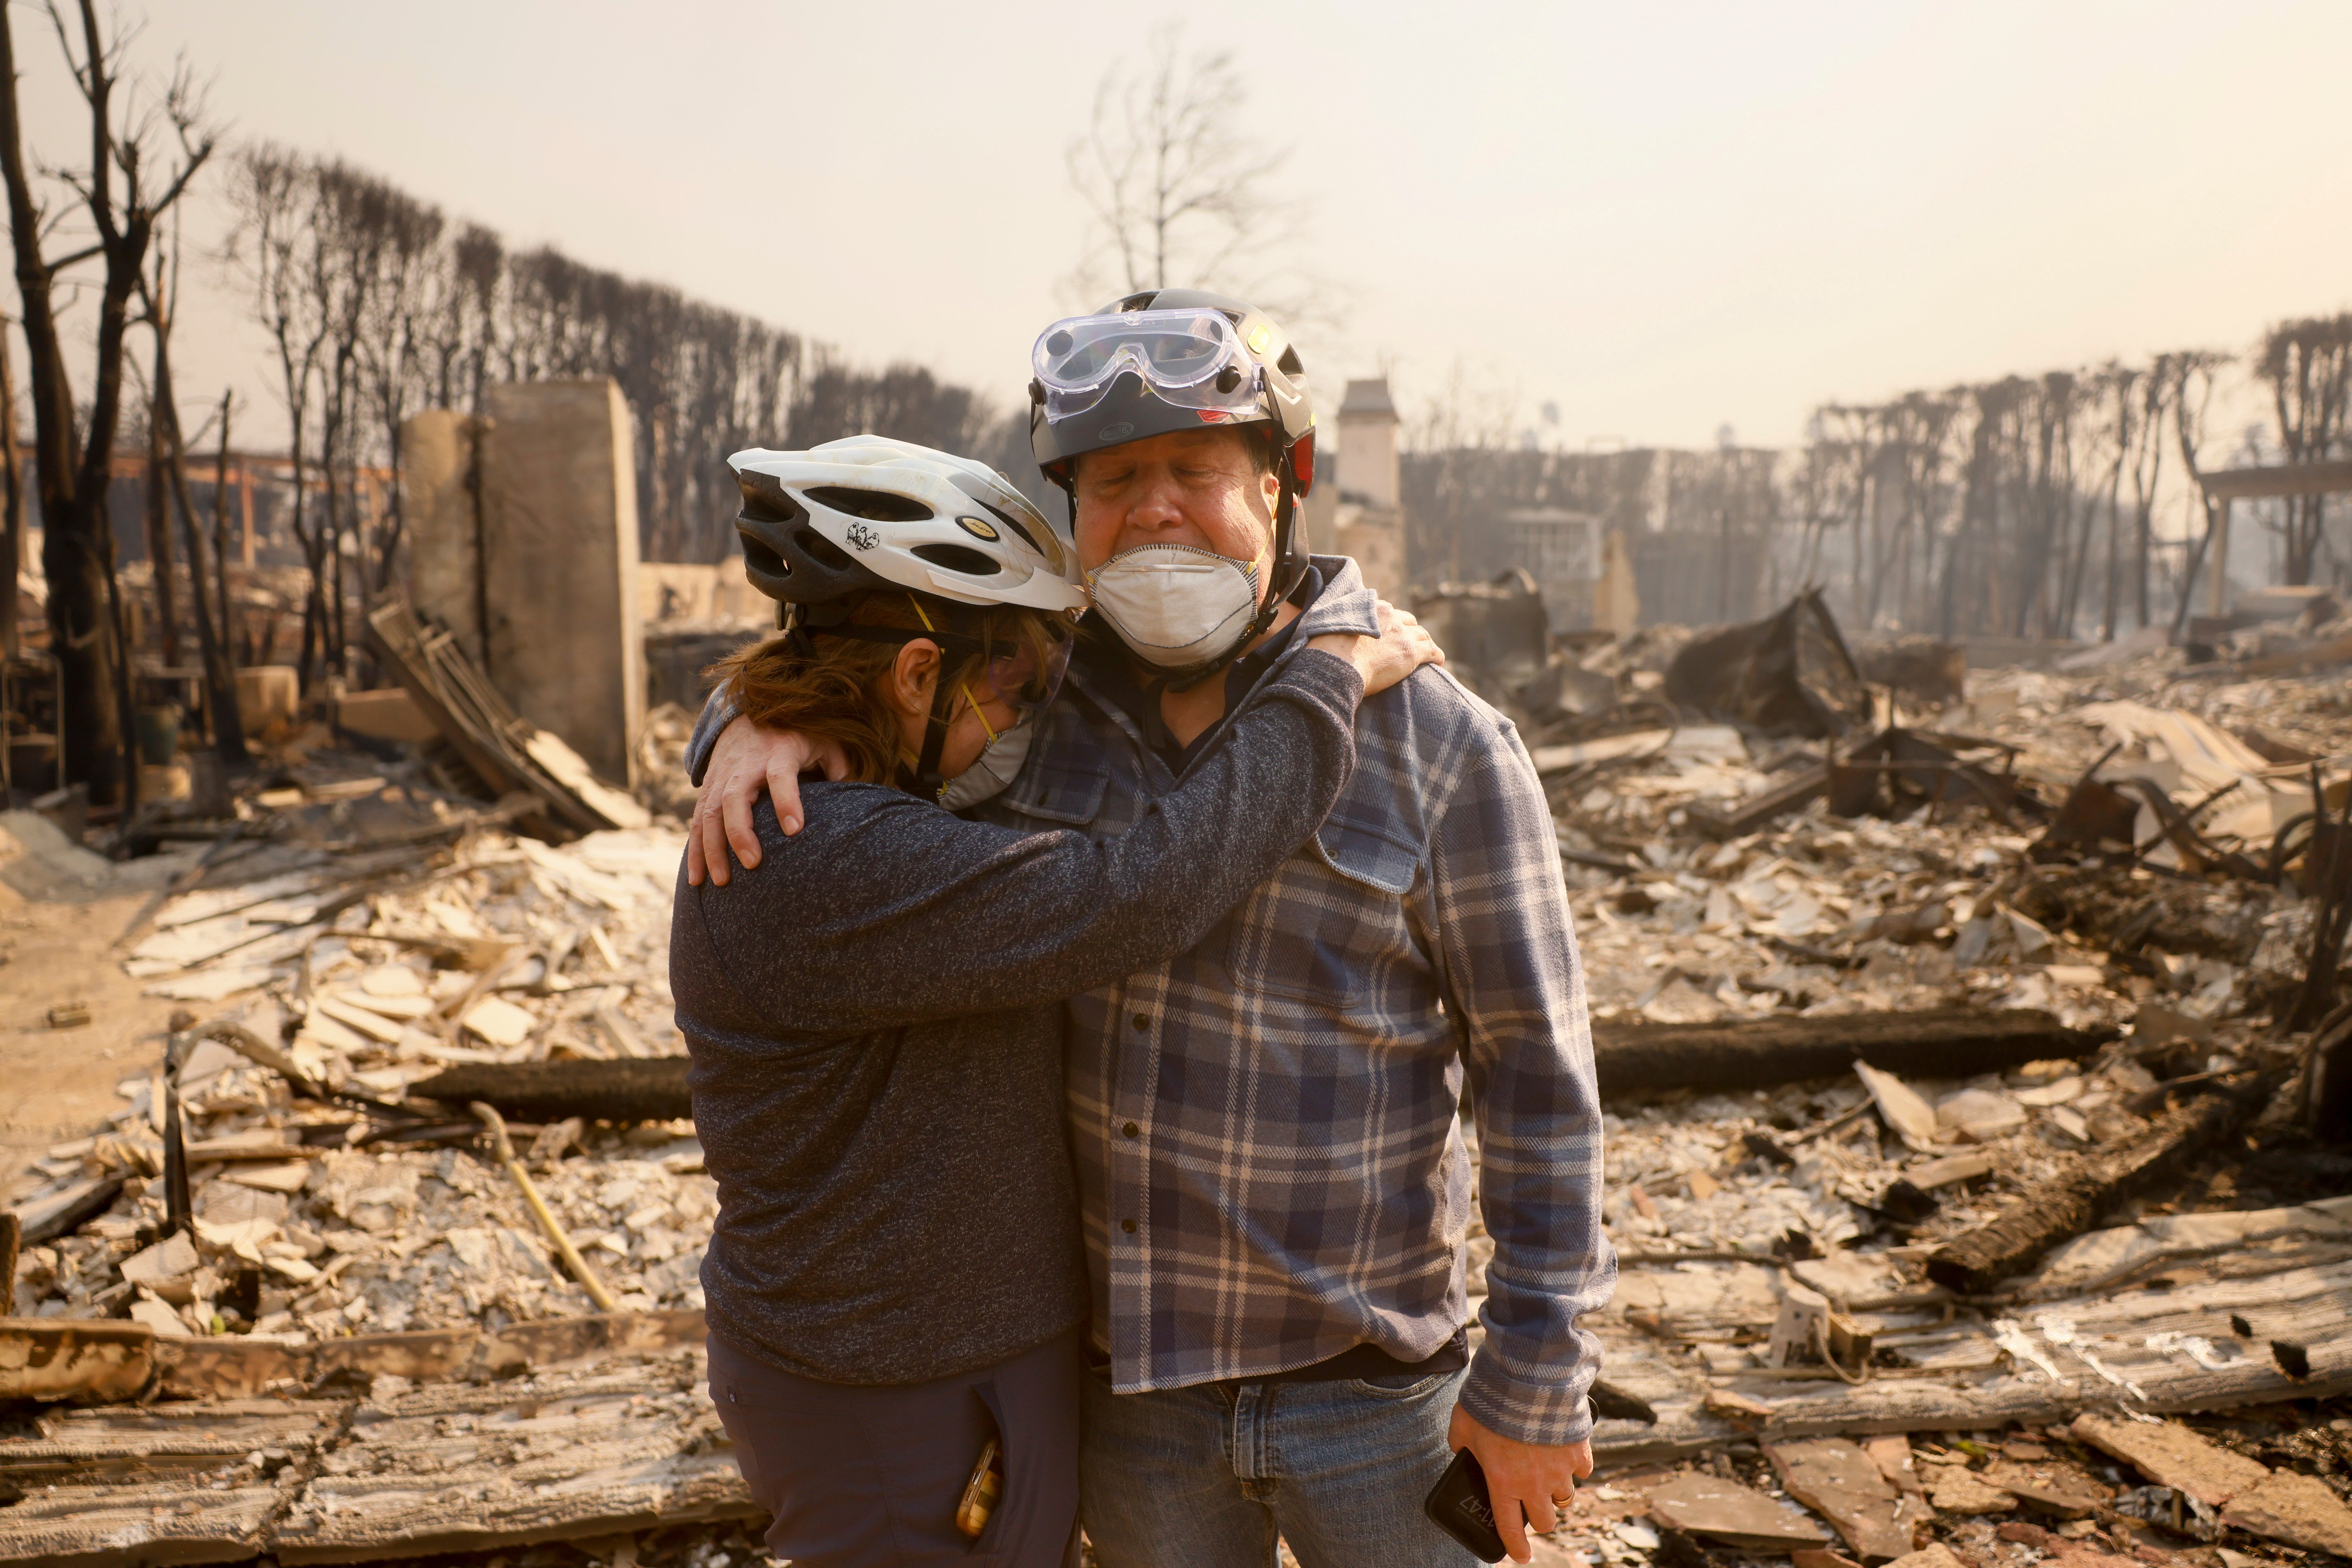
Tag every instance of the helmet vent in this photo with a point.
(875, 506)
(759, 560)
(1288, 363)
(957, 558)
(764, 500)
(821, 550)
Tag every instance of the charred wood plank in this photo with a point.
(651, 1089)
(2070, 1202)
(1952, 1042)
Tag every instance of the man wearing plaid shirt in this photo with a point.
(1274, 1179)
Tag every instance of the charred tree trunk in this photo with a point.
(74, 464)
(11, 526)
(77, 552)
(220, 681)
(159, 536)
(220, 542)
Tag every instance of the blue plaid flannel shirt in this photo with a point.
(1270, 1158)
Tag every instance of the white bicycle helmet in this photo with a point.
(867, 512)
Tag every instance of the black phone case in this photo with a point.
(1458, 1505)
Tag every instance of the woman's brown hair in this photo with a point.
(830, 688)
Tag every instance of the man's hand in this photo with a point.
(1528, 1484)
(746, 761)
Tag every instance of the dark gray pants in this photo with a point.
(870, 1477)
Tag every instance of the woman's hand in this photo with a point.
(746, 761)
(1404, 646)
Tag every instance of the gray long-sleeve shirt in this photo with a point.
(873, 1015)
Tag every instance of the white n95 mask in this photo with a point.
(1176, 604)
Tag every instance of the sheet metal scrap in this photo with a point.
(1790, 673)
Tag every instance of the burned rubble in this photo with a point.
(1971, 1139)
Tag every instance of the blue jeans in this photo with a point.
(1208, 1477)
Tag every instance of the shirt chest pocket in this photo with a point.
(1321, 928)
(1066, 776)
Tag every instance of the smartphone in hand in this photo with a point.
(1460, 1506)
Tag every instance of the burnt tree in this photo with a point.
(121, 196)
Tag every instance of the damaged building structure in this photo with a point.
(1974, 1045)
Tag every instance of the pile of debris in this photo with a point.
(1967, 1040)
(326, 1192)
(1759, 830)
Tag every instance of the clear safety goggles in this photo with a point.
(1192, 359)
(1017, 681)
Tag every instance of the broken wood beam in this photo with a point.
(2069, 1203)
(1950, 1042)
(93, 1361)
(650, 1089)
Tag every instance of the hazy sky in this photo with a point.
(1663, 217)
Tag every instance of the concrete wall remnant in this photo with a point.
(524, 544)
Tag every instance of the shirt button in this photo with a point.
(1132, 1131)
(1142, 1022)
(1128, 1225)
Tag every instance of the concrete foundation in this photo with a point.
(524, 543)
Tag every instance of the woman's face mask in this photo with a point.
(993, 770)
(1176, 604)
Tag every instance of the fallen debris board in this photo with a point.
(1837, 1480)
(1723, 1509)
(1907, 1115)
(1757, 1053)
(2068, 1203)
(2172, 1455)
(157, 1522)
(505, 751)
(479, 1464)
(2147, 1339)
(2103, 1258)
(1930, 1174)
(52, 1358)
(460, 1468)
(626, 1089)
(230, 1366)
(2302, 1511)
